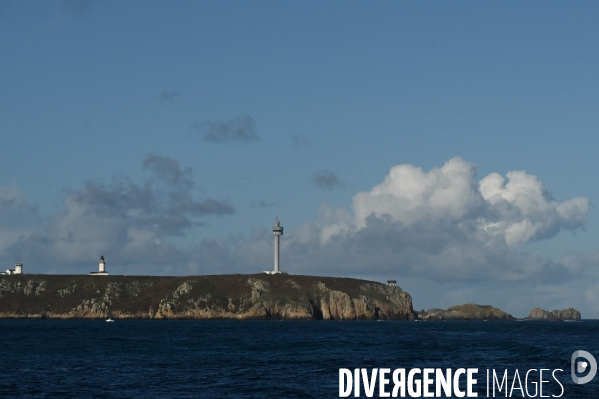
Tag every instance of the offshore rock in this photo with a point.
(555, 315)
(234, 296)
(469, 311)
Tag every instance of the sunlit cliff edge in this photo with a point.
(232, 296)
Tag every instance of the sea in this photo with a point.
(279, 359)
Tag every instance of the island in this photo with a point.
(232, 296)
(469, 311)
(569, 314)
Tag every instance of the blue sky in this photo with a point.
(168, 135)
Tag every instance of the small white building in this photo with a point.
(101, 268)
(17, 270)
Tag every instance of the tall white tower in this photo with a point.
(19, 268)
(277, 231)
(101, 268)
(102, 265)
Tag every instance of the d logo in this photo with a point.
(583, 366)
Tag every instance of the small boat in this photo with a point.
(109, 320)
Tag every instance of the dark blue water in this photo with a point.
(269, 359)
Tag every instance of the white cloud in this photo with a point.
(525, 210)
(409, 195)
(517, 212)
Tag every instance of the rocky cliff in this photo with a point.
(555, 315)
(468, 311)
(235, 296)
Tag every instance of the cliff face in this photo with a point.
(257, 296)
(555, 315)
(468, 311)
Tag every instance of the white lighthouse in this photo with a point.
(102, 265)
(277, 231)
(101, 268)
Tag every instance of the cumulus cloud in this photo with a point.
(512, 213)
(326, 179)
(239, 128)
(523, 210)
(446, 225)
(131, 221)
